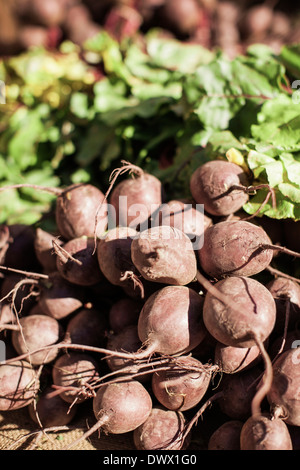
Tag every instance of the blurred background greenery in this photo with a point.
(166, 84)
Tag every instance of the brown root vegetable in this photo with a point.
(37, 331)
(251, 313)
(73, 375)
(161, 431)
(220, 186)
(231, 359)
(257, 21)
(110, 399)
(7, 314)
(286, 294)
(114, 257)
(119, 408)
(265, 432)
(51, 410)
(185, 217)
(43, 245)
(59, 298)
(20, 253)
(18, 293)
(18, 385)
(235, 248)
(135, 199)
(164, 254)
(226, 436)
(50, 13)
(284, 342)
(79, 208)
(126, 340)
(238, 391)
(77, 263)
(88, 327)
(283, 395)
(124, 312)
(171, 321)
(79, 25)
(33, 36)
(183, 18)
(179, 387)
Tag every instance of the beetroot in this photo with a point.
(19, 385)
(59, 298)
(180, 388)
(265, 432)
(77, 211)
(235, 248)
(43, 245)
(218, 184)
(18, 293)
(73, 375)
(287, 298)
(114, 256)
(231, 359)
(124, 312)
(51, 410)
(171, 321)
(37, 331)
(238, 392)
(283, 395)
(119, 408)
(161, 431)
(185, 217)
(77, 263)
(250, 314)
(88, 326)
(135, 199)
(164, 254)
(226, 436)
(126, 340)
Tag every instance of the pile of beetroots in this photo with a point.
(153, 310)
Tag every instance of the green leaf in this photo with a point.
(292, 167)
(284, 209)
(79, 105)
(22, 146)
(290, 191)
(176, 55)
(290, 56)
(261, 163)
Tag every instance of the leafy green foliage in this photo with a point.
(72, 115)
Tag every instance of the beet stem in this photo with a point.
(199, 413)
(56, 191)
(93, 429)
(215, 292)
(63, 254)
(66, 345)
(276, 272)
(280, 248)
(25, 273)
(267, 379)
(286, 323)
(127, 166)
